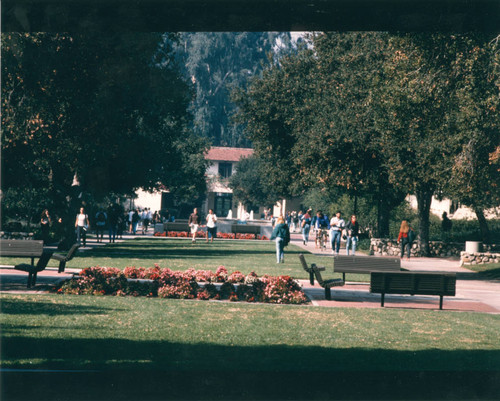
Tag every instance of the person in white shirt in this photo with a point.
(337, 224)
(211, 225)
(81, 225)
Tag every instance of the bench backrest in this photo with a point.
(364, 264)
(317, 273)
(422, 283)
(304, 263)
(28, 248)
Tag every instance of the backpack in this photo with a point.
(411, 235)
(101, 217)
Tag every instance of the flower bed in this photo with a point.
(201, 234)
(166, 283)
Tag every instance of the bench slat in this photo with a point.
(21, 248)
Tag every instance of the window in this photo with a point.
(223, 204)
(225, 169)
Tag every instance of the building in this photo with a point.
(223, 164)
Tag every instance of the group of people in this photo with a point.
(336, 227)
(194, 223)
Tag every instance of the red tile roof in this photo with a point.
(227, 154)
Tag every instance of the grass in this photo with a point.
(82, 332)
(154, 349)
(180, 254)
(490, 271)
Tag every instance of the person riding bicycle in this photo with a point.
(321, 225)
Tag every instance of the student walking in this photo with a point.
(352, 231)
(211, 225)
(405, 238)
(281, 234)
(337, 225)
(81, 225)
(194, 223)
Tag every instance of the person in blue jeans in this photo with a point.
(337, 225)
(352, 229)
(306, 226)
(281, 234)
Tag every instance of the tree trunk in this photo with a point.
(483, 225)
(383, 217)
(424, 198)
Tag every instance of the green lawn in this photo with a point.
(152, 349)
(180, 254)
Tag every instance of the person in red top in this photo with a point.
(403, 238)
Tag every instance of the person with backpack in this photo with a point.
(100, 224)
(405, 238)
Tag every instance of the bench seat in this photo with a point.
(32, 270)
(309, 269)
(62, 259)
(326, 284)
(413, 283)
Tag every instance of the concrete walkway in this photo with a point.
(472, 294)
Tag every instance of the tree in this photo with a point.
(110, 110)
(216, 62)
(310, 117)
(475, 173)
(249, 183)
(420, 115)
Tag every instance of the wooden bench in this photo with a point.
(364, 264)
(309, 269)
(62, 259)
(413, 283)
(326, 284)
(30, 249)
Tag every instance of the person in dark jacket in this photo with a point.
(281, 234)
(352, 232)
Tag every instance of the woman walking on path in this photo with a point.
(81, 225)
(405, 238)
(281, 234)
(211, 225)
(352, 228)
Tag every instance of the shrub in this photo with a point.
(226, 289)
(236, 277)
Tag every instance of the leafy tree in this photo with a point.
(420, 115)
(216, 62)
(249, 183)
(108, 109)
(310, 118)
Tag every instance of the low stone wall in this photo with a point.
(479, 258)
(388, 247)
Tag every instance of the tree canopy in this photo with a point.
(110, 110)
(376, 115)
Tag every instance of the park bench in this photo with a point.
(30, 249)
(62, 259)
(413, 283)
(309, 269)
(364, 264)
(326, 284)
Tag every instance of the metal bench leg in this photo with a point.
(62, 266)
(29, 279)
(328, 294)
(382, 298)
(311, 277)
(440, 302)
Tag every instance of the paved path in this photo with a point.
(472, 294)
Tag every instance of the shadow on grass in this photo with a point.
(26, 307)
(162, 370)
